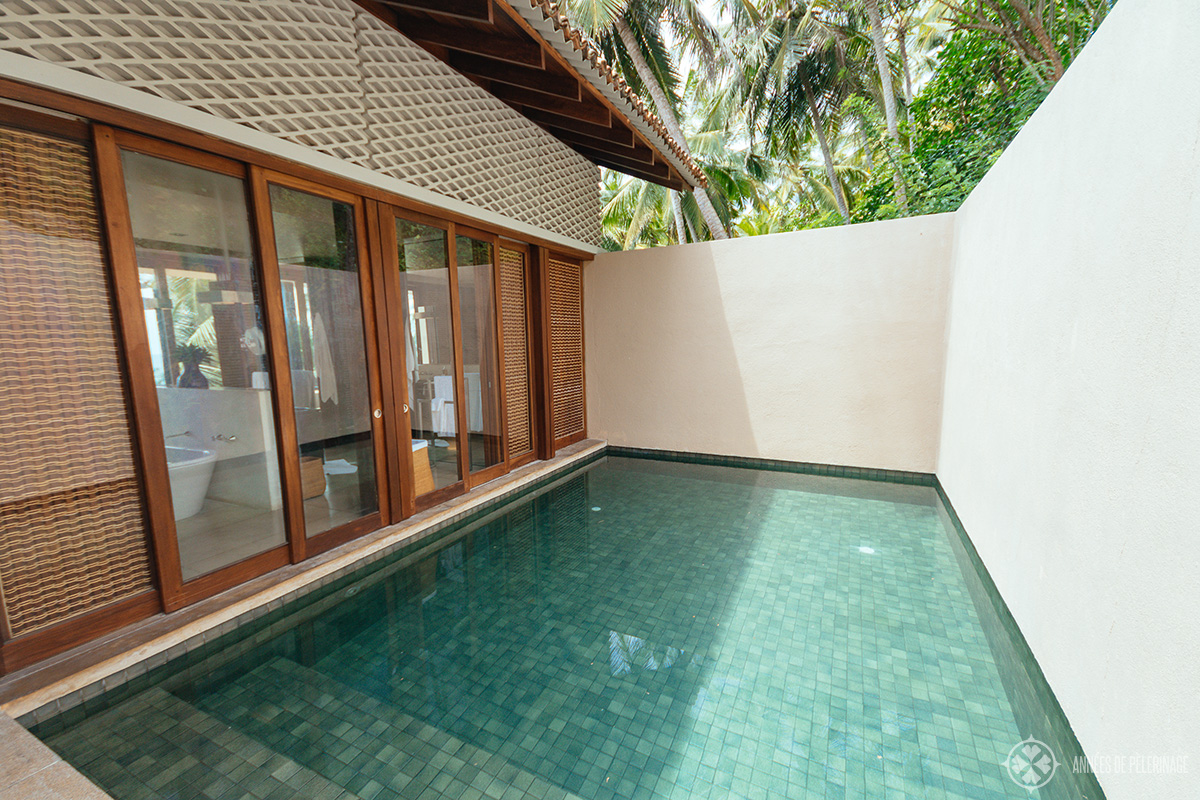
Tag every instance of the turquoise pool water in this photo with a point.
(643, 629)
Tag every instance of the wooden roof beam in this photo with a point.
(638, 153)
(652, 177)
(471, 40)
(660, 172)
(584, 111)
(498, 71)
(479, 10)
(615, 134)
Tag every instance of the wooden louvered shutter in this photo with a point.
(566, 351)
(72, 536)
(515, 321)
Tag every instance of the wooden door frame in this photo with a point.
(500, 468)
(303, 546)
(526, 265)
(381, 320)
(150, 448)
(394, 384)
(389, 267)
(541, 367)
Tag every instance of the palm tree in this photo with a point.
(887, 89)
(878, 39)
(921, 28)
(636, 213)
(633, 212)
(631, 32)
(794, 78)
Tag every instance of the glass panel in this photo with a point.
(204, 316)
(316, 244)
(428, 354)
(481, 369)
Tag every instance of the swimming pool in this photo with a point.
(639, 629)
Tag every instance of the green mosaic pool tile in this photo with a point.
(156, 746)
(775, 465)
(493, 723)
(650, 629)
(359, 742)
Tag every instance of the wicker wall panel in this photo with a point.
(71, 528)
(566, 348)
(329, 75)
(516, 351)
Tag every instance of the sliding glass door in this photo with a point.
(258, 377)
(247, 303)
(318, 251)
(426, 319)
(475, 255)
(202, 304)
(444, 330)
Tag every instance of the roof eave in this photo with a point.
(589, 63)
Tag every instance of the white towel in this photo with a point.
(443, 387)
(323, 362)
(474, 402)
(443, 417)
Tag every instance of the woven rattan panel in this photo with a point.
(71, 530)
(566, 348)
(516, 351)
(327, 74)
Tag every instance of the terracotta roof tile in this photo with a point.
(591, 51)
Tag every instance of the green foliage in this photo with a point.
(965, 116)
(782, 74)
(191, 355)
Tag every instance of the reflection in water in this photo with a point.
(629, 653)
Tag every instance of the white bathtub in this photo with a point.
(190, 470)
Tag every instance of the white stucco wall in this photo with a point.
(822, 346)
(1071, 437)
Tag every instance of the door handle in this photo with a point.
(406, 408)
(378, 413)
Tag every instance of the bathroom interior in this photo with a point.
(204, 315)
(205, 319)
(427, 304)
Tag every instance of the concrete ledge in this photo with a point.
(29, 769)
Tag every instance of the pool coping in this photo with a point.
(28, 768)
